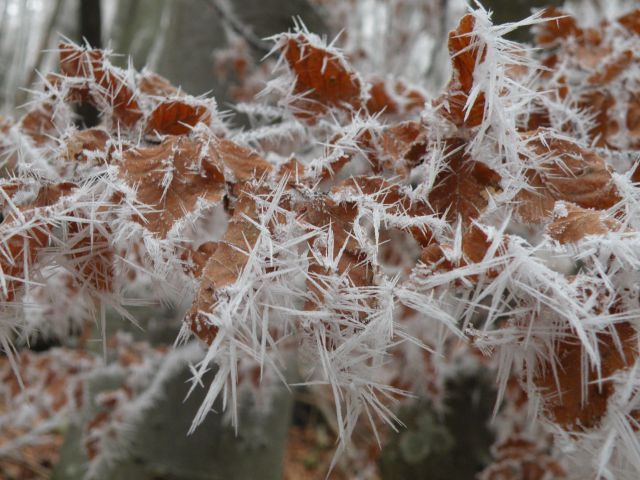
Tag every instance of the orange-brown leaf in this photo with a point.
(325, 78)
(461, 190)
(466, 53)
(224, 266)
(91, 65)
(578, 223)
(395, 98)
(171, 178)
(38, 123)
(571, 173)
(558, 27)
(176, 117)
(562, 393)
(89, 140)
(244, 163)
(631, 21)
(612, 69)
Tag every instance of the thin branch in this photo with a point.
(239, 27)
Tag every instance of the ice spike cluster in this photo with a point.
(366, 233)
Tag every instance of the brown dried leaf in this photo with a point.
(354, 265)
(633, 115)
(52, 192)
(175, 117)
(171, 178)
(612, 69)
(38, 124)
(464, 50)
(89, 140)
(326, 79)
(578, 223)
(156, 85)
(91, 257)
(562, 392)
(600, 102)
(517, 458)
(401, 146)
(395, 98)
(559, 27)
(92, 65)
(324, 212)
(196, 259)
(53, 383)
(475, 244)
(461, 190)
(292, 169)
(572, 174)
(20, 249)
(245, 164)
(224, 266)
(631, 21)
(390, 195)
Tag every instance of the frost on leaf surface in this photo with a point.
(373, 237)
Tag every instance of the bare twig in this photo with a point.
(239, 27)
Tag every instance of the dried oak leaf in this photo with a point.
(394, 98)
(555, 30)
(195, 259)
(103, 83)
(91, 140)
(324, 212)
(475, 244)
(401, 146)
(572, 223)
(518, 458)
(176, 117)
(52, 192)
(91, 257)
(243, 163)
(600, 102)
(567, 172)
(24, 233)
(322, 76)
(19, 250)
(633, 115)
(461, 190)
(631, 21)
(155, 85)
(224, 265)
(562, 390)
(390, 195)
(612, 69)
(39, 123)
(171, 178)
(466, 52)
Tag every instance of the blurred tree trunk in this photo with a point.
(91, 22)
(176, 38)
(91, 33)
(505, 11)
(162, 450)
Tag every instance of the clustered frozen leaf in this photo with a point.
(376, 234)
(33, 411)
